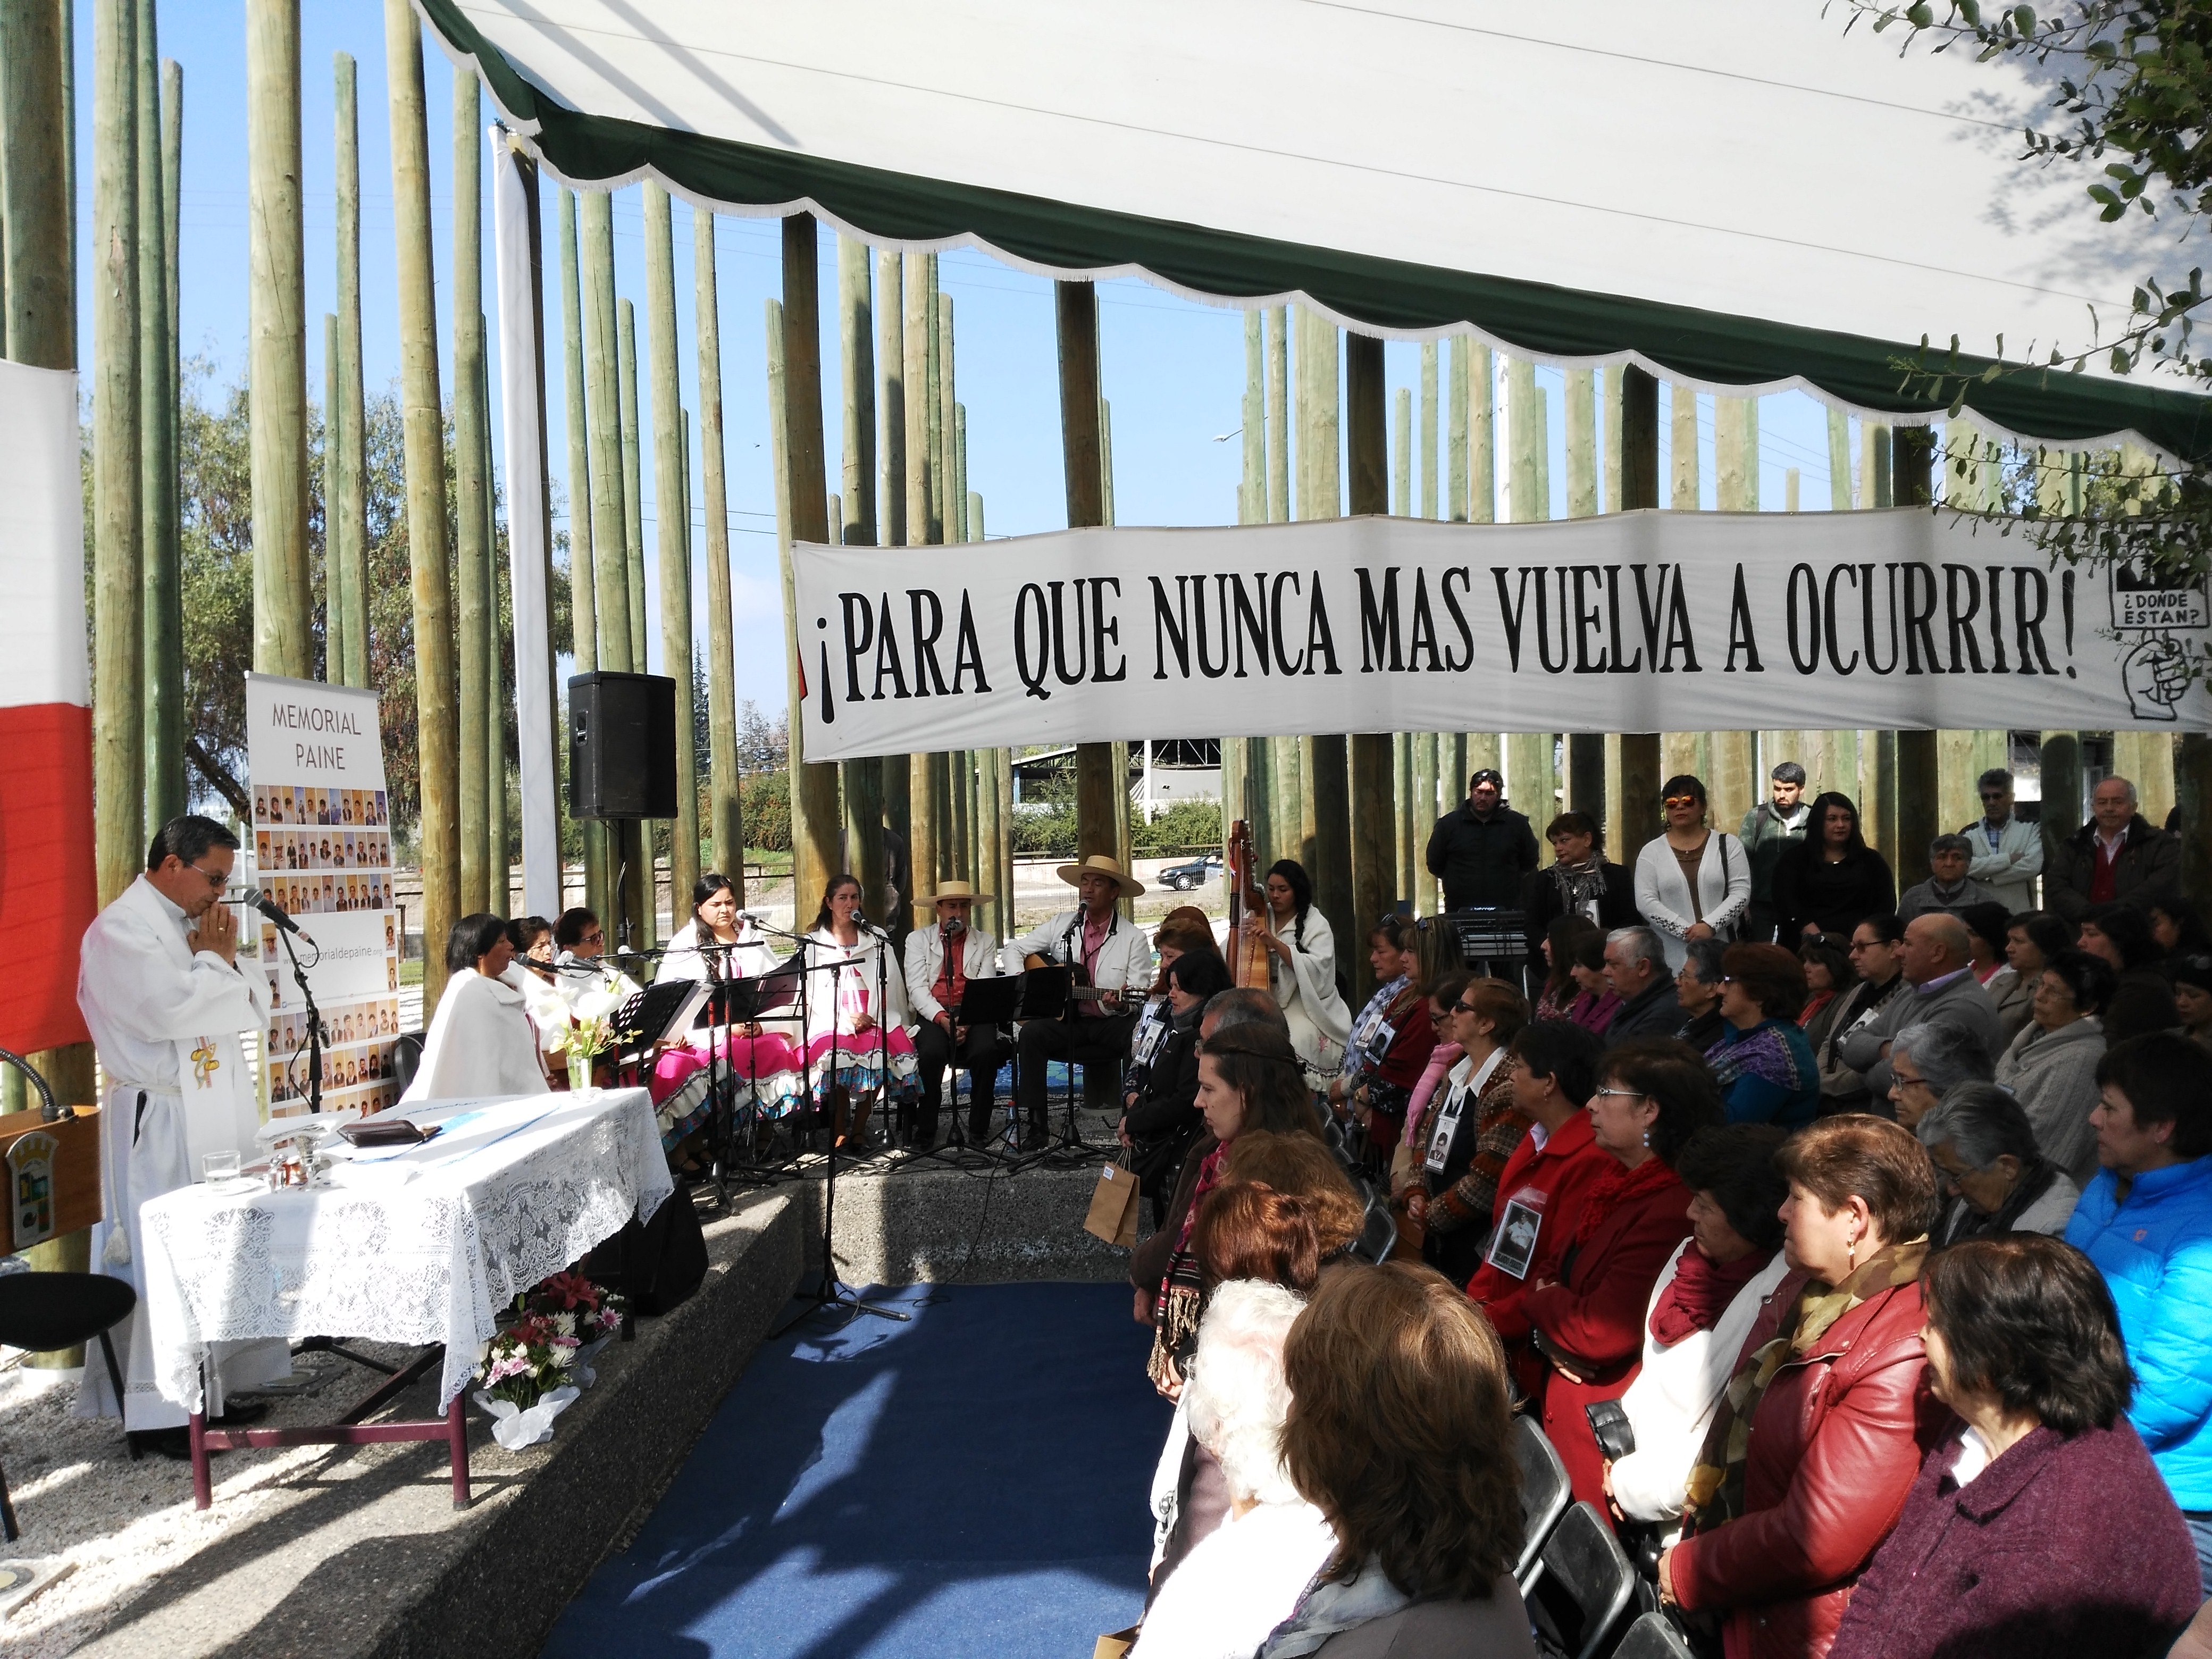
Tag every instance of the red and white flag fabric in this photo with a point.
(47, 895)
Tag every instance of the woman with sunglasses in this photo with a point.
(1694, 881)
(1471, 1131)
(1831, 881)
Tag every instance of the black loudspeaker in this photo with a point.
(621, 746)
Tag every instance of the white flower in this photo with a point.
(597, 1005)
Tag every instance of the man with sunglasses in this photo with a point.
(2008, 853)
(1484, 851)
(166, 997)
(1876, 950)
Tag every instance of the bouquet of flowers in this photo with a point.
(597, 1312)
(529, 1360)
(592, 1035)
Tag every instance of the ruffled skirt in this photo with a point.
(864, 1063)
(762, 1072)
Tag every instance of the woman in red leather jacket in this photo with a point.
(1653, 1094)
(1819, 1435)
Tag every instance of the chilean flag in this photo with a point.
(46, 888)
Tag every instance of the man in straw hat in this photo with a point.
(1113, 956)
(939, 963)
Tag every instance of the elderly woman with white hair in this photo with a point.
(1245, 1576)
(1927, 1061)
(1995, 1179)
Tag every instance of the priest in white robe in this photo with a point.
(166, 997)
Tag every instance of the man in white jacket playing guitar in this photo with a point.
(939, 963)
(1114, 962)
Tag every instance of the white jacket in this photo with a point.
(2009, 869)
(1125, 960)
(1237, 1584)
(481, 1043)
(925, 960)
(1307, 992)
(831, 968)
(1662, 897)
(1671, 1402)
(749, 958)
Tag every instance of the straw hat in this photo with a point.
(954, 890)
(1100, 864)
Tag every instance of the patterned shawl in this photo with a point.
(1761, 1052)
(1183, 1289)
(1716, 1493)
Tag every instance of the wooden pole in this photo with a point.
(119, 477)
(924, 826)
(1374, 858)
(1585, 750)
(609, 535)
(672, 550)
(894, 771)
(164, 602)
(1277, 803)
(1919, 802)
(277, 341)
(1429, 428)
(351, 505)
(1639, 776)
(474, 596)
(422, 414)
(1076, 315)
(334, 617)
(37, 183)
(1401, 451)
(815, 824)
(1323, 780)
(633, 464)
(1457, 401)
(724, 813)
(1733, 786)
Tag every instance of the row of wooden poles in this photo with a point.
(1290, 431)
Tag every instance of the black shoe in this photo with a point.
(174, 1443)
(239, 1413)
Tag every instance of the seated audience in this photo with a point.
(1995, 1179)
(1390, 1043)
(1831, 881)
(1697, 993)
(481, 1043)
(1472, 1133)
(2177, 927)
(1948, 888)
(1580, 881)
(2051, 1066)
(2146, 1221)
(1822, 1430)
(1927, 1061)
(2033, 938)
(1701, 1308)
(1404, 1164)
(1988, 926)
(2192, 995)
(1183, 928)
(1829, 977)
(2039, 1529)
(1557, 999)
(1652, 1095)
(1398, 1432)
(1876, 945)
(1164, 1122)
(1596, 1003)
(1300, 1165)
(1936, 961)
(1637, 972)
(2143, 1000)
(1244, 1577)
(1762, 1062)
(1542, 1188)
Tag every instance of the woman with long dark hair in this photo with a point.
(1829, 882)
(1302, 970)
(719, 944)
(857, 1042)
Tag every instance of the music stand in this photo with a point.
(656, 1014)
(730, 1003)
(994, 1001)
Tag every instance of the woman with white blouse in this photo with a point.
(857, 1038)
(1694, 881)
(1701, 1309)
(482, 1042)
(1301, 971)
(717, 943)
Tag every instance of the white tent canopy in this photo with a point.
(1738, 195)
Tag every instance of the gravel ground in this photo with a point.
(78, 1497)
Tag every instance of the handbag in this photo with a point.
(1113, 1214)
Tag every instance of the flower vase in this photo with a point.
(516, 1426)
(579, 1074)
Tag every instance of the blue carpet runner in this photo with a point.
(972, 1483)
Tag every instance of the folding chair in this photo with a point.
(1545, 1494)
(42, 1312)
(1652, 1637)
(1581, 1586)
(1378, 1231)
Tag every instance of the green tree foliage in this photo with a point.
(217, 535)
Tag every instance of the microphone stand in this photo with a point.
(314, 1025)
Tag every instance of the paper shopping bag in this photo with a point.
(1114, 1646)
(1113, 1215)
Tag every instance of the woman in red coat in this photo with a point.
(1653, 1094)
(1820, 1434)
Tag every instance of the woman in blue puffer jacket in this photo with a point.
(2146, 1221)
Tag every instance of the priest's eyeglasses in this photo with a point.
(217, 879)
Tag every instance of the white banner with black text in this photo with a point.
(1637, 622)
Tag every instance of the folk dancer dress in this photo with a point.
(764, 1065)
(844, 983)
(166, 1024)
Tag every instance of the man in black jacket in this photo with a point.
(1484, 851)
(1636, 970)
(2116, 855)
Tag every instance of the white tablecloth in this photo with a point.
(419, 1245)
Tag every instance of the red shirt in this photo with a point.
(2105, 869)
(1559, 1175)
(951, 980)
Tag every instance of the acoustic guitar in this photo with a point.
(1080, 989)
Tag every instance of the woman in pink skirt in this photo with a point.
(717, 944)
(857, 1036)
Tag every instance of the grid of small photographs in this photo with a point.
(328, 852)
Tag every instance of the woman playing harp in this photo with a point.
(1301, 971)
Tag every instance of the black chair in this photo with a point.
(1545, 1492)
(1652, 1637)
(1581, 1585)
(41, 1312)
(407, 1059)
(1378, 1231)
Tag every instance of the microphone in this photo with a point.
(256, 899)
(954, 927)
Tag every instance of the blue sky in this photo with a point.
(1173, 370)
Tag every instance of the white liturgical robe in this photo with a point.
(165, 1023)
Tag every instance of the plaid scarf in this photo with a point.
(1762, 1052)
(1716, 1493)
(1183, 1289)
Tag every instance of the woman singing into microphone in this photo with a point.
(857, 1047)
(719, 946)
